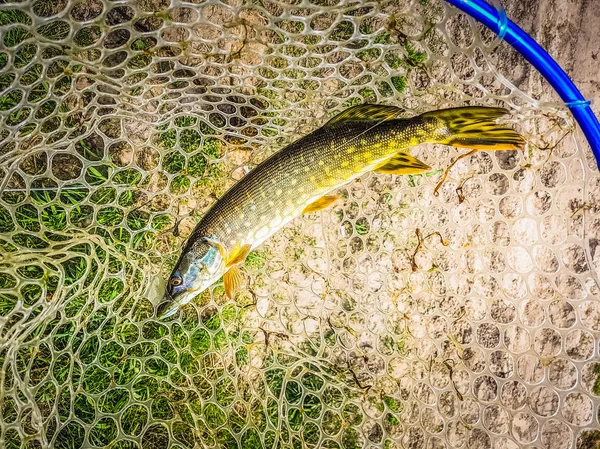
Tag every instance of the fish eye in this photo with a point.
(175, 280)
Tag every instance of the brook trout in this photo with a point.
(301, 177)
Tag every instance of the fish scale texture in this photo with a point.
(306, 170)
(411, 315)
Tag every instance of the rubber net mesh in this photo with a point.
(426, 311)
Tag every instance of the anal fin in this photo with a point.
(321, 203)
(232, 279)
(403, 164)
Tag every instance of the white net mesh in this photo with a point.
(413, 315)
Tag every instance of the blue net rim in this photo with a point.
(494, 17)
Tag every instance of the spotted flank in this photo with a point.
(302, 177)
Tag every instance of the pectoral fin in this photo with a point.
(232, 279)
(321, 203)
(237, 255)
(403, 164)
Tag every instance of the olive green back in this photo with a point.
(284, 184)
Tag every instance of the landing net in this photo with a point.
(426, 311)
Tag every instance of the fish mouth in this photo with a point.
(167, 307)
(170, 304)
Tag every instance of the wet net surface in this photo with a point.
(415, 314)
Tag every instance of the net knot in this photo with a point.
(502, 19)
(578, 104)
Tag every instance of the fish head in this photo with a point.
(200, 266)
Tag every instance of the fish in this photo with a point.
(303, 176)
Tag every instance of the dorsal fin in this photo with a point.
(367, 112)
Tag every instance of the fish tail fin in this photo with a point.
(473, 127)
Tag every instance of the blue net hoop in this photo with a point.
(496, 20)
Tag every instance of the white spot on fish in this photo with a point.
(275, 222)
(262, 233)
